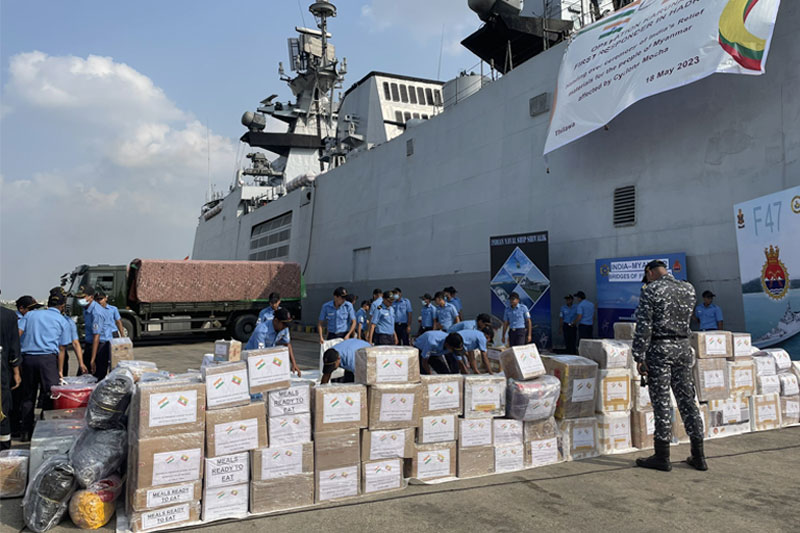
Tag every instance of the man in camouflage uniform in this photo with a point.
(663, 355)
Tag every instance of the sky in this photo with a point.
(115, 116)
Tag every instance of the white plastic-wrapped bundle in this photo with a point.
(532, 400)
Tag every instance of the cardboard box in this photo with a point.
(532, 400)
(728, 412)
(720, 432)
(384, 475)
(506, 432)
(338, 483)
(336, 449)
(394, 406)
(578, 438)
(268, 369)
(614, 432)
(475, 461)
(289, 429)
(380, 365)
(282, 493)
(509, 458)
(78, 413)
(442, 394)
(236, 429)
(765, 364)
(643, 427)
(437, 428)
(742, 377)
(613, 390)
(624, 330)
(339, 407)
(295, 400)
(522, 362)
(742, 346)
(226, 385)
(227, 470)
(711, 379)
(156, 497)
(388, 444)
(52, 437)
(542, 452)
(165, 460)
(121, 350)
(275, 462)
(606, 353)
(640, 395)
(789, 385)
(782, 360)
(765, 412)
(578, 377)
(161, 408)
(432, 461)
(768, 385)
(790, 410)
(227, 351)
(182, 514)
(484, 396)
(226, 502)
(541, 430)
(710, 344)
(474, 432)
(679, 430)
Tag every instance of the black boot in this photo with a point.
(659, 461)
(698, 458)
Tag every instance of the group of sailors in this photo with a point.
(35, 345)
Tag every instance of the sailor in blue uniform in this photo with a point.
(381, 328)
(427, 314)
(268, 313)
(567, 317)
(446, 313)
(450, 296)
(341, 355)
(273, 333)
(402, 317)
(337, 316)
(708, 314)
(517, 321)
(362, 320)
(431, 353)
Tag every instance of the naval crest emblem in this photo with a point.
(774, 276)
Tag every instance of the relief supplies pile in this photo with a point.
(242, 438)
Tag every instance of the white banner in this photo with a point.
(652, 46)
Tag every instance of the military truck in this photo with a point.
(178, 298)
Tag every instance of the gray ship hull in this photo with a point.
(423, 221)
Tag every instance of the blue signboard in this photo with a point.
(619, 281)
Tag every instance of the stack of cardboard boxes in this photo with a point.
(433, 456)
(787, 386)
(765, 405)
(731, 415)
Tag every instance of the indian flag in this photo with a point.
(163, 402)
(170, 459)
(386, 363)
(260, 364)
(427, 459)
(219, 383)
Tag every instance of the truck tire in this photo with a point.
(243, 326)
(129, 328)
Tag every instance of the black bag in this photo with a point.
(48, 494)
(98, 453)
(109, 401)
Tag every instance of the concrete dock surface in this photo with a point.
(752, 484)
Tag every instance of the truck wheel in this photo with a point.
(243, 326)
(128, 328)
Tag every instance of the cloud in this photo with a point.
(132, 186)
(423, 20)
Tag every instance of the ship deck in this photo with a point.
(752, 485)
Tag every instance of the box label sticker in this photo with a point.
(767, 413)
(384, 475)
(765, 366)
(789, 386)
(433, 464)
(443, 396)
(338, 483)
(440, 428)
(392, 368)
(164, 517)
(341, 407)
(507, 432)
(509, 458)
(228, 387)
(159, 497)
(484, 398)
(173, 408)
(792, 408)
(620, 429)
(282, 461)
(544, 452)
(528, 360)
(769, 384)
(583, 390)
(650, 421)
(644, 396)
(237, 436)
(227, 470)
(476, 432)
(220, 349)
(715, 344)
(731, 413)
(226, 502)
(743, 378)
(616, 390)
(290, 429)
(292, 401)
(742, 345)
(582, 437)
(387, 444)
(782, 359)
(713, 379)
(177, 466)
(269, 368)
(396, 407)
